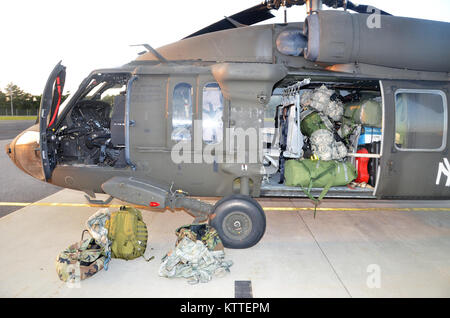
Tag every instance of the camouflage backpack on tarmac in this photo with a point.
(80, 261)
(128, 233)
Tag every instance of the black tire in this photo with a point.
(239, 220)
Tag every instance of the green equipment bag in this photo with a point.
(309, 174)
(80, 261)
(318, 173)
(312, 123)
(128, 233)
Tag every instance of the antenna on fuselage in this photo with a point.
(161, 58)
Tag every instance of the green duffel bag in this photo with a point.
(309, 174)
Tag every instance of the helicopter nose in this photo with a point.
(24, 152)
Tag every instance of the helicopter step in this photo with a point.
(136, 191)
(150, 194)
(146, 193)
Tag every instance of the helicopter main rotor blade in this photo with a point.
(261, 12)
(359, 8)
(249, 16)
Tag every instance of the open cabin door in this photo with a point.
(414, 160)
(48, 113)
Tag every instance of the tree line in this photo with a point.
(23, 103)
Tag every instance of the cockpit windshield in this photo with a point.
(103, 87)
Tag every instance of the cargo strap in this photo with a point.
(305, 113)
(327, 187)
(107, 260)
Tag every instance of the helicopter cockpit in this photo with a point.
(92, 130)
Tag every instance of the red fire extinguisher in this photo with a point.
(362, 167)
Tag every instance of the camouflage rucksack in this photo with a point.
(80, 261)
(201, 232)
(128, 233)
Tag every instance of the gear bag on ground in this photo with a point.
(198, 255)
(128, 233)
(80, 261)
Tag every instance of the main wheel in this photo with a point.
(239, 220)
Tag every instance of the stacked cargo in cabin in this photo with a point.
(332, 127)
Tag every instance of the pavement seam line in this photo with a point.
(322, 251)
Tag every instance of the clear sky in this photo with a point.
(87, 35)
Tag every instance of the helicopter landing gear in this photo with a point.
(239, 220)
(198, 209)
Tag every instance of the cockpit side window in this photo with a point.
(212, 111)
(182, 112)
(109, 94)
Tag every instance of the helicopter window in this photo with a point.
(65, 103)
(212, 110)
(109, 94)
(96, 89)
(182, 112)
(420, 119)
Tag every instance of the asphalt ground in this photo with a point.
(9, 129)
(16, 185)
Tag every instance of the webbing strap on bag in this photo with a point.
(327, 187)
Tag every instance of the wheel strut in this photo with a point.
(197, 208)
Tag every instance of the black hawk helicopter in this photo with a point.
(204, 116)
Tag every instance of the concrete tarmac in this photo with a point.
(376, 253)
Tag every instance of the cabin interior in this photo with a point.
(353, 133)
